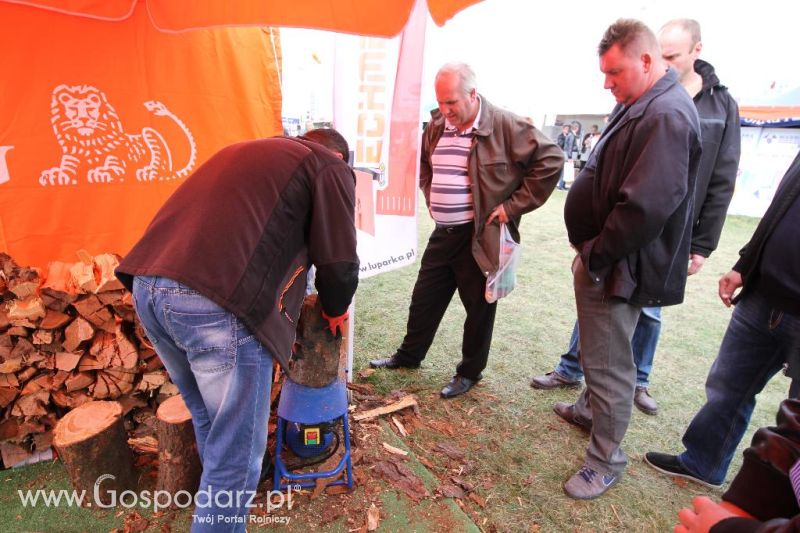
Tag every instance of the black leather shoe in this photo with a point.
(391, 363)
(671, 465)
(458, 385)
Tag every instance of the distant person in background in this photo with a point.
(588, 143)
(576, 147)
(719, 122)
(565, 141)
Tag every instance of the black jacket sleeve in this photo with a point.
(332, 238)
(713, 208)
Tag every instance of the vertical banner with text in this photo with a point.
(376, 107)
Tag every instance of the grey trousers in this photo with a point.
(606, 327)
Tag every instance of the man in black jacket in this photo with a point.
(218, 280)
(629, 217)
(719, 123)
(763, 334)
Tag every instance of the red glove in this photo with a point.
(335, 323)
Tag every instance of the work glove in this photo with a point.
(335, 323)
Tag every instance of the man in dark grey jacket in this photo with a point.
(629, 216)
(719, 123)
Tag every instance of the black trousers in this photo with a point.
(447, 265)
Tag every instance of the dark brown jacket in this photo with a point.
(244, 228)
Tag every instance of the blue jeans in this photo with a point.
(755, 346)
(644, 342)
(224, 375)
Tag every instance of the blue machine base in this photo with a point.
(308, 479)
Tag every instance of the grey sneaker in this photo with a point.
(553, 380)
(644, 402)
(587, 483)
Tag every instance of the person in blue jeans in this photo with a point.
(218, 281)
(763, 334)
(568, 373)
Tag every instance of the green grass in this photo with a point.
(518, 453)
(520, 436)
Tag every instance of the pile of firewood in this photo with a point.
(66, 338)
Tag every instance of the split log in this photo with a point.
(151, 381)
(7, 395)
(8, 380)
(11, 365)
(78, 331)
(318, 358)
(4, 323)
(78, 381)
(29, 309)
(31, 404)
(82, 274)
(91, 442)
(42, 337)
(54, 319)
(24, 282)
(67, 360)
(178, 463)
(92, 309)
(402, 403)
(58, 277)
(57, 300)
(104, 265)
(13, 454)
(69, 400)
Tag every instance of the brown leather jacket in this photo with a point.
(510, 162)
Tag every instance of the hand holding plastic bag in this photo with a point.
(501, 282)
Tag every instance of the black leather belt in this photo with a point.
(453, 229)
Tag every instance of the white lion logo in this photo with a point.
(94, 144)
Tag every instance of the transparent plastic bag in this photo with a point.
(501, 282)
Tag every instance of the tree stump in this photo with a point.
(179, 465)
(318, 358)
(92, 444)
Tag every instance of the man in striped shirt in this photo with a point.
(480, 167)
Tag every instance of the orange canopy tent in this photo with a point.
(107, 105)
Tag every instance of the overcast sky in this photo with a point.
(539, 58)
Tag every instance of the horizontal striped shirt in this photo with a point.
(451, 191)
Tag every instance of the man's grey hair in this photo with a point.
(632, 36)
(690, 26)
(464, 72)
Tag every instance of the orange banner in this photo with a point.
(100, 122)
